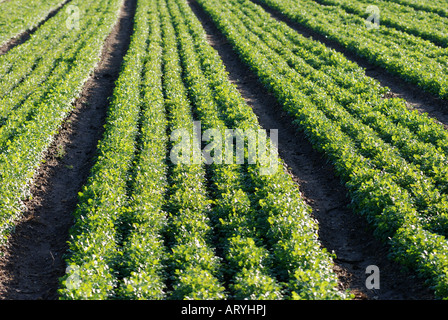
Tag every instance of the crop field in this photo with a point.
(223, 150)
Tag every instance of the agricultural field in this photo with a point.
(223, 150)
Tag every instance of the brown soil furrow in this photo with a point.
(340, 229)
(34, 262)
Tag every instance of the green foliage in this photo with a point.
(247, 216)
(33, 112)
(32, 12)
(391, 159)
(102, 203)
(430, 26)
(146, 228)
(149, 229)
(414, 59)
(195, 283)
(436, 6)
(192, 260)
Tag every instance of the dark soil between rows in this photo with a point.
(340, 230)
(33, 261)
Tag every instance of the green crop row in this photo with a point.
(147, 228)
(194, 261)
(262, 212)
(427, 164)
(22, 15)
(383, 186)
(414, 59)
(427, 25)
(25, 91)
(231, 207)
(144, 251)
(245, 261)
(22, 154)
(93, 255)
(436, 6)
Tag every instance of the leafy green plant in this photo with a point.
(31, 14)
(249, 221)
(414, 59)
(28, 130)
(430, 26)
(353, 129)
(94, 238)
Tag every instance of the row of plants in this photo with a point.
(246, 265)
(414, 59)
(23, 153)
(93, 257)
(232, 216)
(268, 234)
(193, 262)
(376, 177)
(25, 91)
(423, 163)
(437, 6)
(144, 252)
(427, 25)
(19, 16)
(148, 228)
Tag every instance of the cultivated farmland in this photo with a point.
(223, 149)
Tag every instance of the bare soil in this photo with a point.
(34, 255)
(340, 230)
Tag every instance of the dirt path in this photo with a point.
(24, 36)
(341, 231)
(34, 259)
